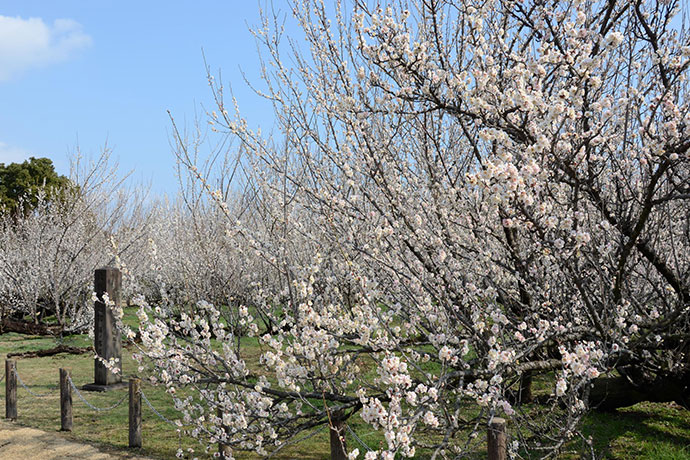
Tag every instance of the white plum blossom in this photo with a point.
(458, 198)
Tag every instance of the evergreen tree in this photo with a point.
(25, 180)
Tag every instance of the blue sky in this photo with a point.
(83, 73)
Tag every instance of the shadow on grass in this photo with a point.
(643, 431)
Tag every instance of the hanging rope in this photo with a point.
(160, 416)
(21, 382)
(354, 435)
(98, 409)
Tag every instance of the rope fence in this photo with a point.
(97, 409)
(496, 436)
(359, 440)
(24, 385)
(160, 416)
(67, 387)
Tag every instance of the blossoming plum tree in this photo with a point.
(466, 196)
(52, 242)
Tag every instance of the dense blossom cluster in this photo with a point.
(466, 197)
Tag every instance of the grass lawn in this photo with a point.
(644, 431)
(107, 429)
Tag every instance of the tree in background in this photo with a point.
(23, 181)
(50, 247)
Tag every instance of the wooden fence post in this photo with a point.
(65, 401)
(11, 389)
(497, 443)
(134, 412)
(224, 450)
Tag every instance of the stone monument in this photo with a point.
(107, 338)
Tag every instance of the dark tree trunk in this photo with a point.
(610, 393)
(525, 391)
(337, 430)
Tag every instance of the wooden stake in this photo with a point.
(65, 401)
(497, 440)
(134, 412)
(11, 389)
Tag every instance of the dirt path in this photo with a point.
(21, 443)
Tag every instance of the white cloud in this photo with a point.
(30, 43)
(9, 154)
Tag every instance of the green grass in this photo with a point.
(109, 430)
(106, 429)
(645, 431)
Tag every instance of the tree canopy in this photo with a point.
(25, 180)
(466, 197)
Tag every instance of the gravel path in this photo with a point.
(21, 443)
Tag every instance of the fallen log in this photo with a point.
(51, 351)
(24, 327)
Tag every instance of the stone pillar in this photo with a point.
(107, 338)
